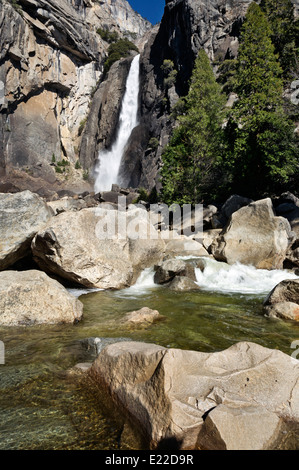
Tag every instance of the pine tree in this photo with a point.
(263, 151)
(280, 14)
(193, 155)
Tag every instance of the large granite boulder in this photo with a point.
(177, 274)
(233, 399)
(233, 204)
(254, 236)
(31, 297)
(283, 300)
(22, 215)
(76, 247)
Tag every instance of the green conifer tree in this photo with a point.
(193, 155)
(263, 151)
(280, 14)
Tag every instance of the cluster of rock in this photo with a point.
(70, 239)
(28, 297)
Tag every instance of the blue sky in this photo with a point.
(149, 9)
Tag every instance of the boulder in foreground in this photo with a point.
(234, 399)
(31, 297)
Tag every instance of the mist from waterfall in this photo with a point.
(108, 164)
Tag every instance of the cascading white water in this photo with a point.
(238, 278)
(223, 278)
(109, 161)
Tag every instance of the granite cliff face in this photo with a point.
(57, 104)
(186, 27)
(51, 62)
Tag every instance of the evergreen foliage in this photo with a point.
(108, 36)
(263, 155)
(117, 50)
(193, 156)
(285, 37)
(251, 149)
(170, 74)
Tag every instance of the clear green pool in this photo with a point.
(43, 407)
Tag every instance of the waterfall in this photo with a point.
(109, 161)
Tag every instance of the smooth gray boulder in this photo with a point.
(168, 269)
(231, 205)
(22, 215)
(76, 247)
(31, 297)
(254, 236)
(184, 247)
(183, 284)
(145, 316)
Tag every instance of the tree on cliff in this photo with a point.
(263, 155)
(192, 158)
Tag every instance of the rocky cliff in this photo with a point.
(57, 106)
(186, 27)
(51, 62)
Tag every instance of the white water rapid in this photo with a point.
(223, 278)
(238, 278)
(109, 161)
(215, 277)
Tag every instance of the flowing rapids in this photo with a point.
(223, 278)
(238, 278)
(107, 169)
(43, 407)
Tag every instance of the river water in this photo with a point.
(44, 407)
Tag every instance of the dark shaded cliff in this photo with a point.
(186, 27)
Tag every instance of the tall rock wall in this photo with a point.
(54, 103)
(187, 26)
